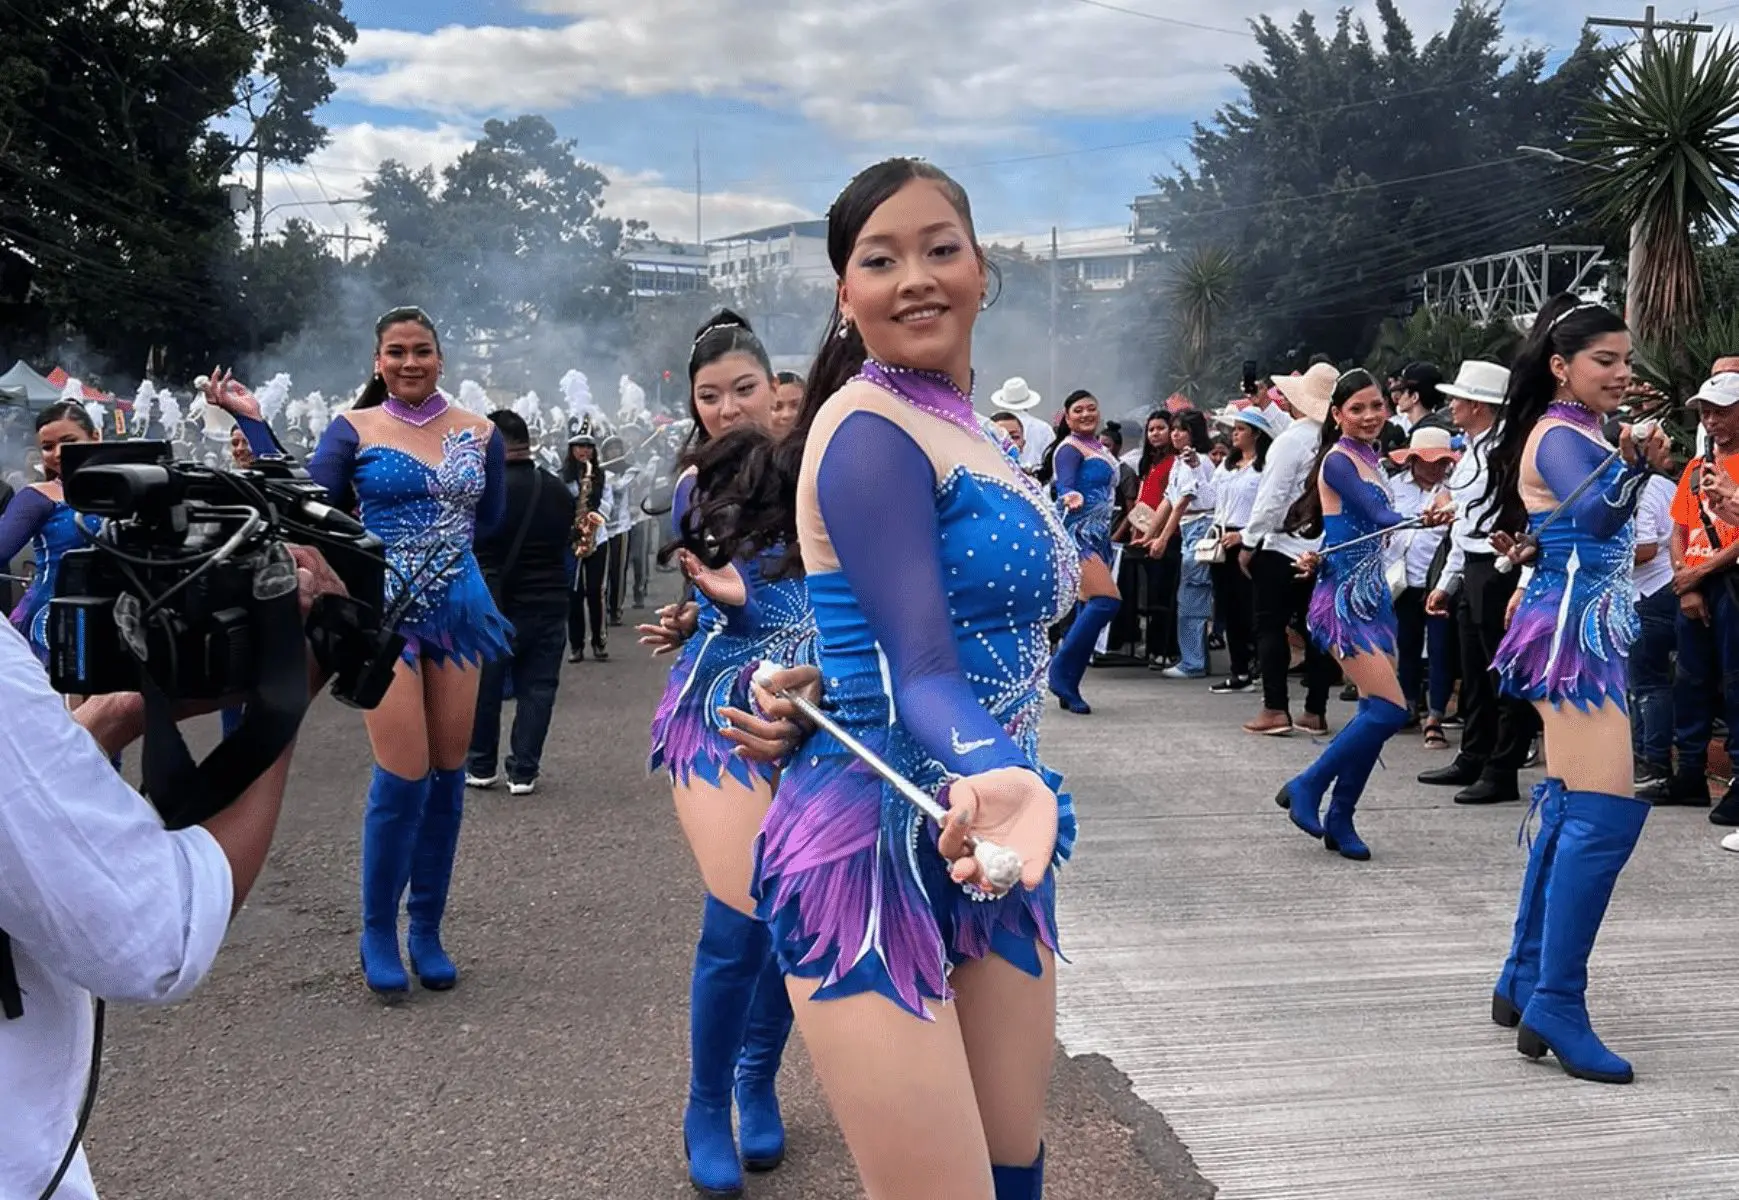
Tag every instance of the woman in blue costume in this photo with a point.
(1352, 615)
(746, 613)
(926, 1000)
(1566, 650)
(1086, 485)
(428, 478)
(40, 517)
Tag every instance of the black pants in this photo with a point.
(536, 670)
(1500, 729)
(640, 559)
(586, 599)
(1126, 625)
(1160, 608)
(1282, 601)
(1235, 599)
(616, 568)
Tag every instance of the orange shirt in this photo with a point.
(1686, 514)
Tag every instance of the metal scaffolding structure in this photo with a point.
(1517, 282)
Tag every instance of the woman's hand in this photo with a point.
(1520, 551)
(1634, 453)
(676, 624)
(228, 393)
(723, 585)
(1232, 540)
(1010, 806)
(1437, 516)
(1072, 501)
(1307, 564)
(773, 735)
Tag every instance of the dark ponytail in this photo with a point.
(374, 391)
(1304, 518)
(746, 485)
(1566, 326)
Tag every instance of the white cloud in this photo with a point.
(966, 70)
(356, 151)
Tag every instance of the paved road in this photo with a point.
(558, 1067)
(1313, 1027)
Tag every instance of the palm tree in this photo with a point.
(1200, 290)
(1667, 130)
(1444, 339)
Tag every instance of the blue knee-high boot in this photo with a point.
(389, 832)
(1595, 840)
(760, 1126)
(432, 876)
(1521, 970)
(1378, 721)
(728, 960)
(1069, 663)
(1361, 739)
(1020, 1183)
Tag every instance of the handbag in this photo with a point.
(1211, 549)
(1141, 519)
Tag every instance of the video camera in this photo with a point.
(175, 589)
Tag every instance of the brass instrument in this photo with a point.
(587, 520)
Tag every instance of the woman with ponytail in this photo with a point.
(1566, 650)
(1351, 613)
(748, 609)
(926, 998)
(1085, 475)
(428, 478)
(40, 517)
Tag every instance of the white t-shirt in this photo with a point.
(1419, 546)
(1654, 525)
(99, 899)
(1198, 485)
(1237, 492)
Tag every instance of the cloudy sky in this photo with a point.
(1049, 111)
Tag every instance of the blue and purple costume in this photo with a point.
(1351, 613)
(933, 654)
(1093, 477)
(714, 667)
(1351, 608)
(1568, 644)
(51, 528)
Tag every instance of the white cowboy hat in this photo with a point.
(1310, 393)
(1429, 443)
(1485, 382)
(1016, 396)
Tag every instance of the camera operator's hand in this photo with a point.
(314, 577)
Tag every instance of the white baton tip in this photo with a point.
(765, 672)
(1001, 865)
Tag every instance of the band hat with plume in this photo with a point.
(584, 433)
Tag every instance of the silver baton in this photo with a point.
(1001, 866)
(1638, 433)
(1415, 523)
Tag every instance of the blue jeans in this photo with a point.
(535, 668)
(1651, 679)
(1707, 675)
(1195, 601)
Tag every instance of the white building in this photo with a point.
(1099, 259)
(663, 268)
(797, 249)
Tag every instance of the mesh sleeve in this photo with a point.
(1565, 458)
(1067, 463)
(1359, 497)
(22, 520)
(333, 466)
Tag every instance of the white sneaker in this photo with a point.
(481, 782)
(1731, 842)
(522, 789)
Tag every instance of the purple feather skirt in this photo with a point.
(1351, 609)
(848, 875)
(1571, 636)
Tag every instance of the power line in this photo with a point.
(1131, 12)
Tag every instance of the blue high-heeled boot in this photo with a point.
(432, 876)
(1595, 840)
(760, 1125)
(1377, 721)
(1360, 741)
(1069, 663)
(1521, 970)
(1020, 1183)
(728, 960)
(389, 832)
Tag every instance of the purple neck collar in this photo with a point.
(1574, 413)
(417, 414)
(927, 391)
(1363, 451)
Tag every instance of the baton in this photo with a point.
(1641, 432)
(1414, 523)
(1001, 866)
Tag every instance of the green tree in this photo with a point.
(1202, 288)
(1356, 158)
(1445, 339)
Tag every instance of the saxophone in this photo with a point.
(587, 520)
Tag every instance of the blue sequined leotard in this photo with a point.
(51, 528)
(1351, 608)
(1093, 477)
(715, 666)
(933, 653)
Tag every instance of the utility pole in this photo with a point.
(1053, 393)
(1648, 26)
(698, 241)
(347, 237)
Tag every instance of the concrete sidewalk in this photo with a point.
(1313, 1027)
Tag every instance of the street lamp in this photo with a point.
(1633, 265)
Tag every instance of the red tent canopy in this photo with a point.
(58, 378)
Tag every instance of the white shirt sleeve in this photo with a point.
(91, 884)
(1280, 484)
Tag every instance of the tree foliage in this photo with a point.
(1444, 339)
(1356, 158)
